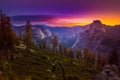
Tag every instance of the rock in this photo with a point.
(109, 72)
(113, 76)
(49, 70)
(101, 76)
(54, 76)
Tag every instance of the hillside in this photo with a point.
(42, 65)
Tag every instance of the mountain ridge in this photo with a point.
(93, 36)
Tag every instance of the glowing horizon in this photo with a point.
(111, 20)
(62, 12)
(70, 22)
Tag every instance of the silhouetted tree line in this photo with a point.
(9, 39)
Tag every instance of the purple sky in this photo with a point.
(59, 8)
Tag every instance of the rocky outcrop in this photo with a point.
(109, 72)
(92, 37)
(99, 38)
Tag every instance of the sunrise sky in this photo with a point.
(62, 12)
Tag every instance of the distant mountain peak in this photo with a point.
(97, 22)
(97, 26)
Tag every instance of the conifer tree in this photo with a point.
(66, 51)
(101, 61)
(91, 59)
(7, 35)
(28, 35)
(44, 45)
(8, 38)
(55, 44)
(79, 54)
(40, 45)
(71, 53)
(86, 56)
(60, 49)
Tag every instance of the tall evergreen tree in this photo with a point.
(44, 45)
(8, 38)
(101, 61)
(55, 44)
(86, 55)
(71, 53)
(79, 54)
(60, 49)
(91, 59)
(40, 44)
(66, 51)
(28, 35)
(7, 35)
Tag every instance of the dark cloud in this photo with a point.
(32, 18)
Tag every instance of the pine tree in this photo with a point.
(60, 49)
(71, 53)
(44, 45)
(91, 59)
(101, 61)
(86, 56)
(28, 35)
(8, 38)
(79, 54)
(40, 45)
(55, 44)
(66, 51)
